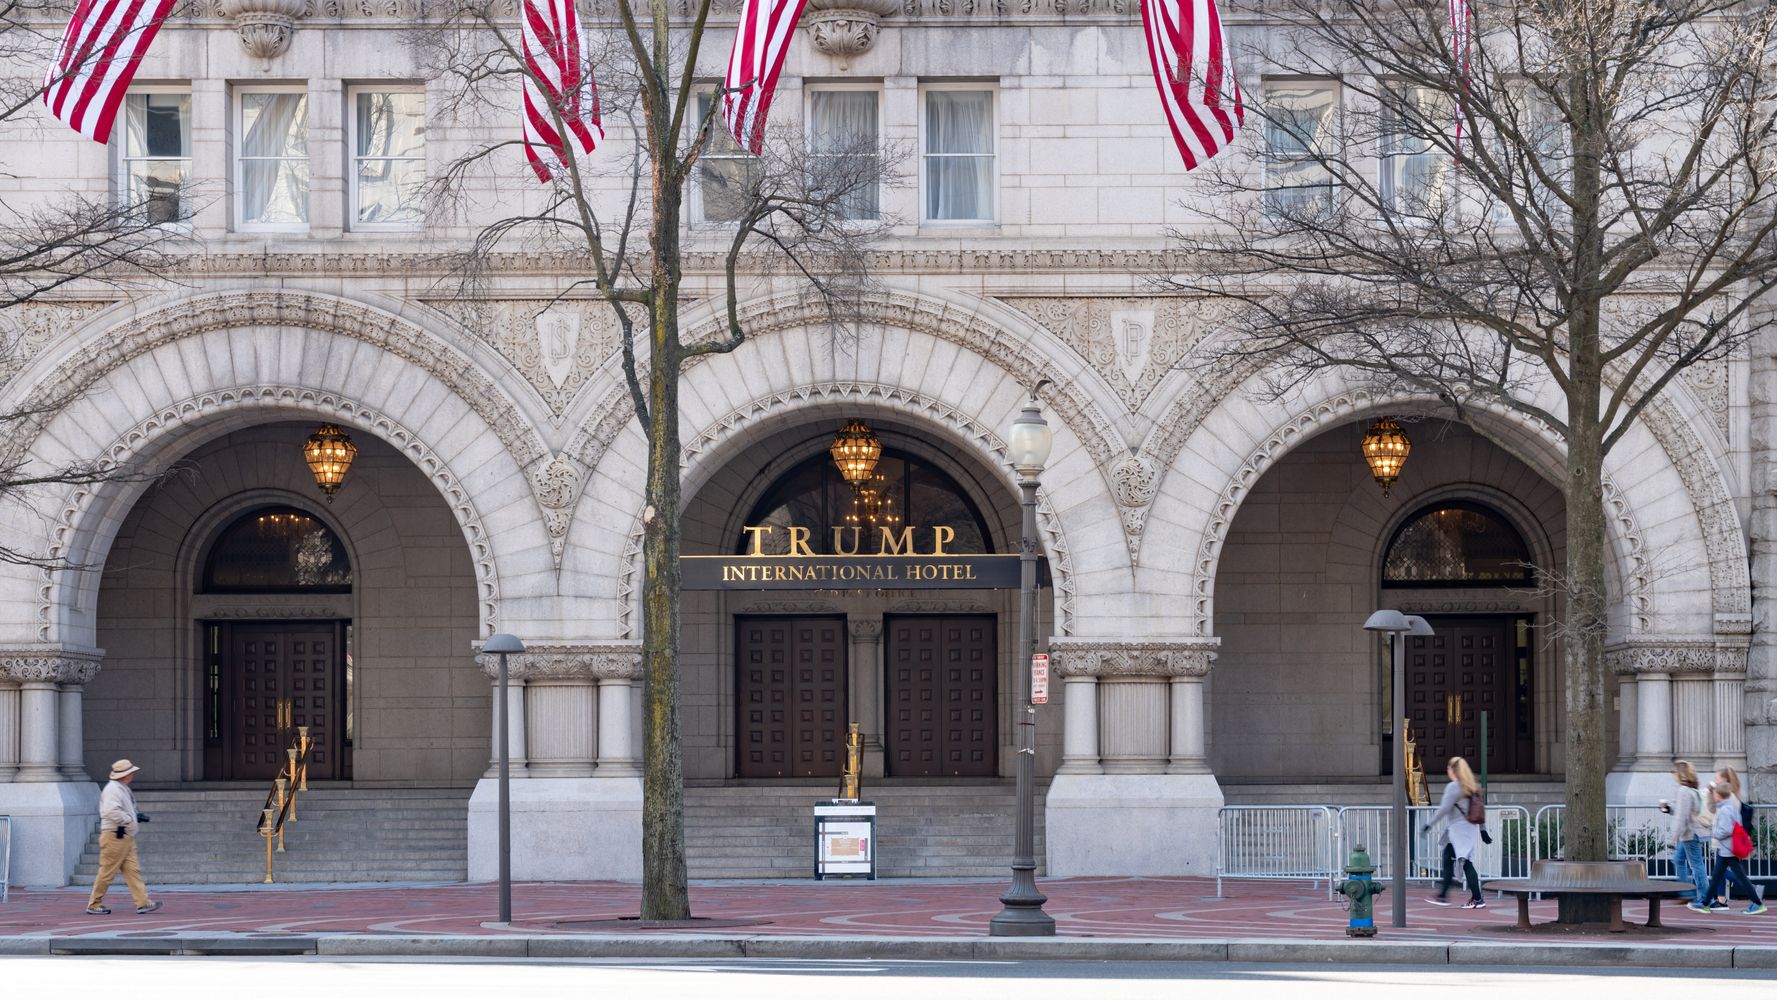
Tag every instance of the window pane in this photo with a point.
(274, 125)
(389, 190)
(727, 187)
(392, 124)
(156, 189)
(721, 143)
(277, 548)
(275, 192)
(1298, 126)
(1415, 175)
(843, 137)
(959, 187)
(959, 121)
(157, 125)
(1458, 543)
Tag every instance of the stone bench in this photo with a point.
(1615, 880)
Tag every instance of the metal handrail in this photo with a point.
(280, 801)
(6, 860)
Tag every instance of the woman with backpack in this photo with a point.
(1692, 824)
(1726, 777)
(1466, 813)
(1730, 856)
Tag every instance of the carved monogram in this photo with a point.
(1131, 342)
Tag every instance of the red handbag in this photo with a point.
(1740, 843)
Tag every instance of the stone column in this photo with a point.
(515, 742)
(1653, 721)
(617, 668)
(41, 717)
(1188, 742)
(73, 738)
(1628, 705)
(1687, 693)
(866, 689)
(1729, 697)
(38, 743)
(1079, 727)
(561, 717)
(9, 730)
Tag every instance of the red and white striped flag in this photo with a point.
(559, 91)
(1459, 51)
(761, 41)
(1188, 47)
(96, 60)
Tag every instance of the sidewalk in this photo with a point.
(1095, 918)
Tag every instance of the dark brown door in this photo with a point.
(1467, 668)
(942, 675)
(278, 677)
(790, 688)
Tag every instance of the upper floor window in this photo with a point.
(388, 137)
(277, 549)
(1456, 544)
(844, 142)
(271, 158)
(1415, 178)
(726, 174)
(959, 153)
(1299, 119)
(154, 155)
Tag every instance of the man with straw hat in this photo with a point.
(117, 842)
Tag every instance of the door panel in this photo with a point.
(942, 679)
(1468, 667)
(790, 689)
(278, 677)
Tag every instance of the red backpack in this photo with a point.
(1740, 842)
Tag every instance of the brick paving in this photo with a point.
(1110, 908)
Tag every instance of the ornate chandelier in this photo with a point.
(329, 453)
(856, 450)
(1385, 449)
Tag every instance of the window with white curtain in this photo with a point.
(271, 159)
(844, 142)
(1299, 120)
(154, 155)
(726, 173)
(1542, 142)
(1415, 172)
(958, 149)
(388, 157)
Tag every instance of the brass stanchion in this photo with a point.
(271, 821)
(280, 783)
(302, 739)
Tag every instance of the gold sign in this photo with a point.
(890, 541)
(904, 558)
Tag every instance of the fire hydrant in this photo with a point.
(1359, 888)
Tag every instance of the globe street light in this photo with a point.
(503, 644)
(1027, 449)
(1398, 626)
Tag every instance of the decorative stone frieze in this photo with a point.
(557, 487)
(1111, 658)
(265, 26)
(52, 664)
(1675, 655)
(614, 661)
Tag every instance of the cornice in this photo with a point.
(1115, 658)
(51, 664)
(568, 661)
(1677, 655)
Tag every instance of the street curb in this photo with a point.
(1252, 951)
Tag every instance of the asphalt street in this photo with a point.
(759, 979)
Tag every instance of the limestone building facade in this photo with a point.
(1211, 552)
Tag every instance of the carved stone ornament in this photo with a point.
(558, 487)
(1110, 658)
(604, 661)
(49, 663)
(846, 28)
(1676, 655)
(265, 26)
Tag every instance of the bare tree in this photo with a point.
(67, 243)
(1591, 207)
(797, 213)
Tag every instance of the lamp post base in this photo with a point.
(1023, 914)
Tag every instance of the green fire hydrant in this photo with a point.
(1359, 888)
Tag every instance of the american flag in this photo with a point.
(760, 42)
(1189, 50)
(1459, 52)
(96, 60)
(558, 84)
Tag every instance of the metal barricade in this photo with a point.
(1277, 842)
(1643, 833)
(1367, 826)
(5, 857)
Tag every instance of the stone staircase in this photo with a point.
(340, 835)
(947, 830)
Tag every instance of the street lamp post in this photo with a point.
(1398, 627)
(1027, 448)
(504, 644)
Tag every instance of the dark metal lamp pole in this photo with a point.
(1028, 447)
(503, 644)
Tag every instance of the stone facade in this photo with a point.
(1212, 551)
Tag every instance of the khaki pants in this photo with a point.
(118, 855)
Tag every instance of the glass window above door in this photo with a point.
(277, 550)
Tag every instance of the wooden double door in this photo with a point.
(1473, 664)
(790, 690)
(267, 679)
(942, 676)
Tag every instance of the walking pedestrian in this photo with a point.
(1692, 824)
(118, 821)
(1459, 807)
(1727, 777)
(1728, 865)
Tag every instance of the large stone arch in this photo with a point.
(145, 389)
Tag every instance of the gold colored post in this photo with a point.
(265, 831)
(303, 740)
(281, 785)
(851, 785)
(292, 753)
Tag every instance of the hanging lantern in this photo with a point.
(329, 453)
(856, 450)
(1385, 448)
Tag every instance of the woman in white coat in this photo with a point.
(1463, 838)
